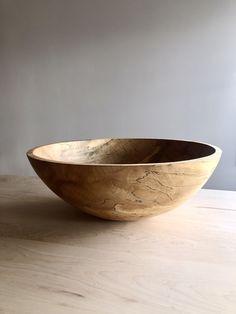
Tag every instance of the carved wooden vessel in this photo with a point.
(125, 179)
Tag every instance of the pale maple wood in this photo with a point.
(125, 179)
(55, 259)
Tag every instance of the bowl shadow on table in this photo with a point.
(51, 219)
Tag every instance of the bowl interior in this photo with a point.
(122, 151)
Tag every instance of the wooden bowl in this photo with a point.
(125, 179)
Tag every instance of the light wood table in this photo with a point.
(54, 259)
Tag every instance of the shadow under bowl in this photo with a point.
(125, 179)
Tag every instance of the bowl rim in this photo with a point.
(216, 153)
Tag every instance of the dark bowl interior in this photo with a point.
(122, 151)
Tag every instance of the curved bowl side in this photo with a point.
(126, 193)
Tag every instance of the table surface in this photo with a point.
(54, 259)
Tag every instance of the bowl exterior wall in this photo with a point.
(126, 192)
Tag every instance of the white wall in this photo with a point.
(72, 69)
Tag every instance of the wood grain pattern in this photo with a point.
(125, 179)
(55, 259)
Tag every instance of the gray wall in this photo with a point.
(72, 69)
